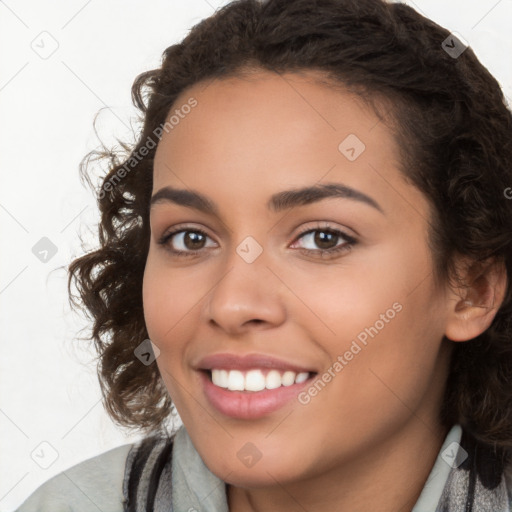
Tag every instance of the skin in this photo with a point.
(369, 438)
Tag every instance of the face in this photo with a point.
(332, 285)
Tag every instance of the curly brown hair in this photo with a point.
(454, 129)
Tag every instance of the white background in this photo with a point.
(48, 385)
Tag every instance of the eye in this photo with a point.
(184, 242)
(327, 239)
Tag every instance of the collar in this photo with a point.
(436, 481)
(194, 486)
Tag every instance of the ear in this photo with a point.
(473, 309)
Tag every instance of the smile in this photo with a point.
(245, 404)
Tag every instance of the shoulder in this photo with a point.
(149, 462)
(507, 473)
(94, 484)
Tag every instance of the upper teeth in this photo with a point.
(255, 380)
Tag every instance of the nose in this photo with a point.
(246, 295)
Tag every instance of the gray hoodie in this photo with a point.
(105, 483)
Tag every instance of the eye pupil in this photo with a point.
(193, 237)
(321, 237)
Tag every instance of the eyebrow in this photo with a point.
(278, 202)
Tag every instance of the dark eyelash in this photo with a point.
(166, 237)
(349, 241)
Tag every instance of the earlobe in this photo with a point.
(472, 313)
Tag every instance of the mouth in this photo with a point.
(253, 385)
(250, 398)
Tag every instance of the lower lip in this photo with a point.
(249, 405)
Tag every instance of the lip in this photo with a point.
(230, 361)
(249, 405)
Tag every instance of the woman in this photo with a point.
(313, 230)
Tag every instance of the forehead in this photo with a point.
(248, 137)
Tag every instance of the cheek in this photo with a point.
(383, 320)
(167, 297)
(162, 311)
(167, 312)
(153, 294)
(339, 301)
(172, 301)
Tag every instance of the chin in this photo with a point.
(252, 479)
(263, 473)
